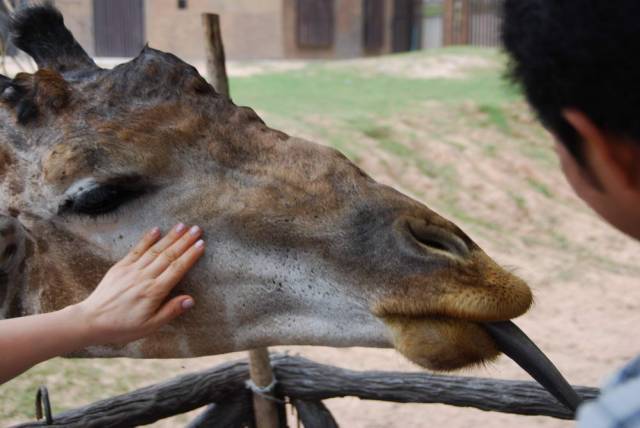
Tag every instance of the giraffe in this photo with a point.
(304, 248)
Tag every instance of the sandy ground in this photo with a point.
(517, 206)
(448, 66)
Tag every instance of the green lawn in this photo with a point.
(346, 94)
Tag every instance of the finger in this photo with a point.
(178, 269)
(173, 253)
(152, 253)
(170, 310)
(143, 245)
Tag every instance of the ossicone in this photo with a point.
(40, 32)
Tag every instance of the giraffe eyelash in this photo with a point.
(94, 199)
(101, 200)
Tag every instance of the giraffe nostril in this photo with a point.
(437, 238)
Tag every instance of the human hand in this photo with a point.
(129, 302)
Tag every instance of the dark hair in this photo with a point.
(582, 54)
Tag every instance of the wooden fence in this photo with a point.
(472, 22)
(304, 384)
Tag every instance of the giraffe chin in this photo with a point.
(441, 344)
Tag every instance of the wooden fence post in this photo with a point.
(216, 63)
(447, 25)
(456, 27)
(266, 411)
(465, 23)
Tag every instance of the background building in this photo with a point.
(274, 29)
(264, 29)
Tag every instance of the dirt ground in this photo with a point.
(504, 187)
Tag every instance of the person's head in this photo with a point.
(578, 63)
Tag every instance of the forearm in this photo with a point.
(129, 303)
(27, 341)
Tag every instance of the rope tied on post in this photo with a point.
(266, 392)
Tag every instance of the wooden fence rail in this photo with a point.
(302, 379)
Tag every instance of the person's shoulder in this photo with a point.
(629, 372)
(618, 405)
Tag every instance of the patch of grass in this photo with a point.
(341, 143)
(481, 225)
(384, 138)
(378, 132)
(350, 100)
(445, 173)
(21, 391)
(347, 94)
(452, 209)
(427, 168)
(495, 116)
(560, 240)
(520, 202)
(491, 150)
(534, 241)
(395, 148)
(71, 383)
(540, 187)
(542, 154)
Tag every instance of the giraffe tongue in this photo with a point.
(516, 345)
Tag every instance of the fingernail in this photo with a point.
(155, 231)
(200, 244)
(187, 304)
(194, 230)
(180, 227)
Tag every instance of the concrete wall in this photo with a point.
(251, 29)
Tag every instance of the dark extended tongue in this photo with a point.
(516, 345)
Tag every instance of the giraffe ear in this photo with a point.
(40, 31)
(32, 94)
(14, 93)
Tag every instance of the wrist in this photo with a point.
(78, 323)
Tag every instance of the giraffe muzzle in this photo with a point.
(515, 344)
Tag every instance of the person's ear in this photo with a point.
(612, 161)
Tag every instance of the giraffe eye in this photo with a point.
(101, 200)
(87, 197)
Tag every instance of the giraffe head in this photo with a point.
(303, 246)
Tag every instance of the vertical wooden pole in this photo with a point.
(465, 23)
(216, 63)
(447, 25)
(417, 21)
(267, 413)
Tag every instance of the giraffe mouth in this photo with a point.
(515, 344)
(445, 343)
